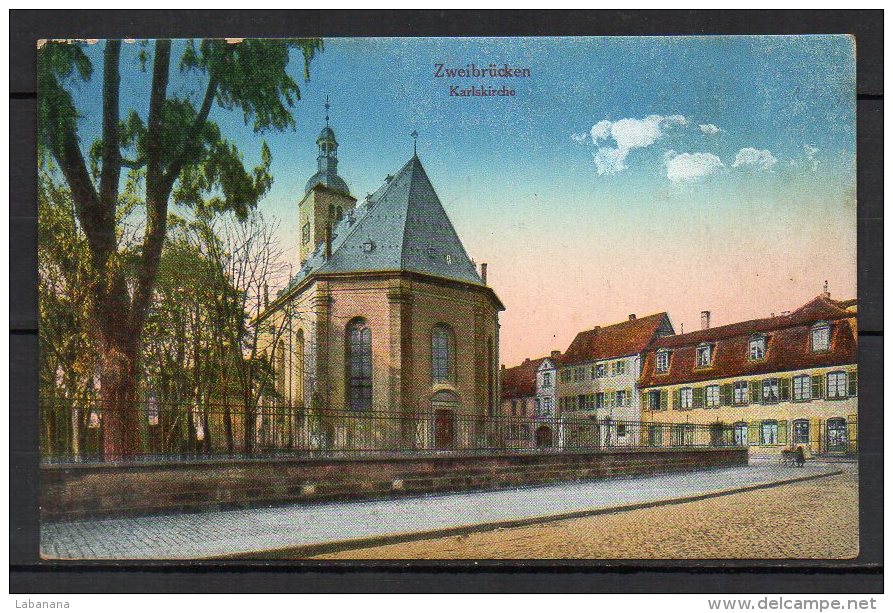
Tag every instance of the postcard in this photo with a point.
(448, 298)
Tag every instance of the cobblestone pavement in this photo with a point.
(221, 533)
(816, 519)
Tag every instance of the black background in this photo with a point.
(28, 574)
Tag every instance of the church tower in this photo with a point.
(326, 196)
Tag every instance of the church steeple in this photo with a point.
(327, 160)
(326, 197)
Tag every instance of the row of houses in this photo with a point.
(778, 382)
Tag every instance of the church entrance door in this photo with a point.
(544, 436)
(444, 429)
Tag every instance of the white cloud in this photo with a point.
(627, 134)
(685, 167)
(761, 158)
(709, 129)
(811, 151)
(579, 137)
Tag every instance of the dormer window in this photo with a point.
(663, 361)
(821, 337)
(757, 347)
(704, 356)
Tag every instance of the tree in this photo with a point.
(179, 153)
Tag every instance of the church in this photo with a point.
(387, 318)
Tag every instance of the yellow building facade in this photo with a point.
(772, 384)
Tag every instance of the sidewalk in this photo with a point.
(318, 527)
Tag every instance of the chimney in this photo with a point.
(556, 354)
(526, 360)
(484, 272)
(328, 242)
(632, 317)
(502, 367)
(825, 291)
(705, 320)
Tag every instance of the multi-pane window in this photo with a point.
(654, 400)
(801, 431)
(599, 400)
(663, 361)
(685, 398)
(618, 368)
(359, 366)
(547, 379)
(711, 396)
(740, 392)
(757, 347)
(443, 358)
(703, 356)
(305, 233)
(547, 406)
(835, 385)
(622, 398)
(770, 390)
(600, 370)
(769, 432)
(802, 387)
(821, 337)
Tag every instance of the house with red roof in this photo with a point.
(599, 373)
(528, 401)
(781, 382)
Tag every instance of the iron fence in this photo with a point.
(217, 430)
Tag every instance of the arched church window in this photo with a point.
(359, 365)
(443, 354)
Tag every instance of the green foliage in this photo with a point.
(57, 64)
(140, 272)
(252, 76)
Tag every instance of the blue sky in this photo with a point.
(625, 175)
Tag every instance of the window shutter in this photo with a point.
(645, 404)
(854, 383)
(663, 400)
(726, 394)
(753, 433)
(782, 432)
(852, 433)
(784, 388)
(818, 387)
(754, 387)
(676, 399)
(815, 434)
(697, 398)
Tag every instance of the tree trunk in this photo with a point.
(120, 413)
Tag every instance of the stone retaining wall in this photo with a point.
(78, 491)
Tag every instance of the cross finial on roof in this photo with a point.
(415, 141)
(327, 109)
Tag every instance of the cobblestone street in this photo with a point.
(815, 518)
(808, 520)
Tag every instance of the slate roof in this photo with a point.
(400, 227)
(520, 381)
(328, 179)
(787, 345)
(617, 340)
